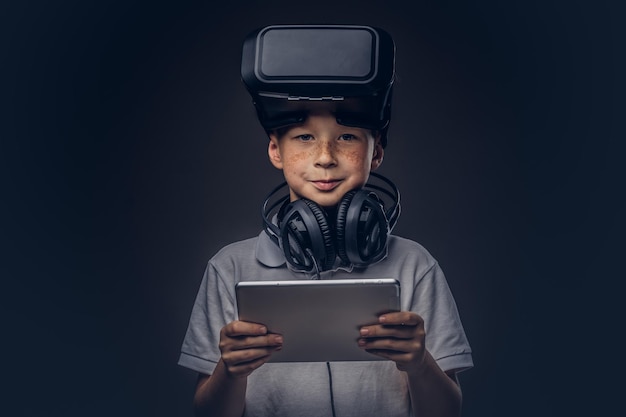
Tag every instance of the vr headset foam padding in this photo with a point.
(290, 70)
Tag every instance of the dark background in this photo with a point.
(130, 153)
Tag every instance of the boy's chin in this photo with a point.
(327, 200)
(327, 203)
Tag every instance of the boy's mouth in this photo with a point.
(326, 185)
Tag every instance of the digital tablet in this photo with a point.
(319, 319)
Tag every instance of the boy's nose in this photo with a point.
(325, 155)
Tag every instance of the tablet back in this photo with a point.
(319, 319)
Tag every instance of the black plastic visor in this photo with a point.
(290, 70)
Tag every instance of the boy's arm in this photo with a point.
(400, 338)
(434, 392)
(220, 394)
(244, 347)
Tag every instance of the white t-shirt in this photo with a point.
(360, 389)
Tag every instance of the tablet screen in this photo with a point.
(319, 319)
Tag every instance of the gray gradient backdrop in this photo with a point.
(130, 154)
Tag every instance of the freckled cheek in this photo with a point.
(355, 157)
(294, 162)
(297, 158)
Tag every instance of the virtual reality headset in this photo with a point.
(290, 70)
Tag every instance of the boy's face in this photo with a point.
(323, 160)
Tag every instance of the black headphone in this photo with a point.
(304, 231)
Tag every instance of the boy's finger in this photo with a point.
(239, 357)
(244, 328)
(390, 346)
(400, 332)
(258, 342)
(242, 363)
(400, 318)
(247, 368)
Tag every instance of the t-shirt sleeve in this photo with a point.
(445, 337)
(213, 309)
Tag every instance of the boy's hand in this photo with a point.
(398, 337)
(246, 346)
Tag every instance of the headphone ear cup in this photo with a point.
(306, 237)
(328, 248)
(340, 226)
(362, 229)
(292, 242)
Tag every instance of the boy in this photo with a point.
(323, 161)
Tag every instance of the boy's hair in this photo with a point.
(290, 70)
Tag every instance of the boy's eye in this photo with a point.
(305, 137)
(347, 136)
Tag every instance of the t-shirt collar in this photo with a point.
(272, 256)
(267, 252)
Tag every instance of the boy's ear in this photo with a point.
(273, 151)
(379, 152)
